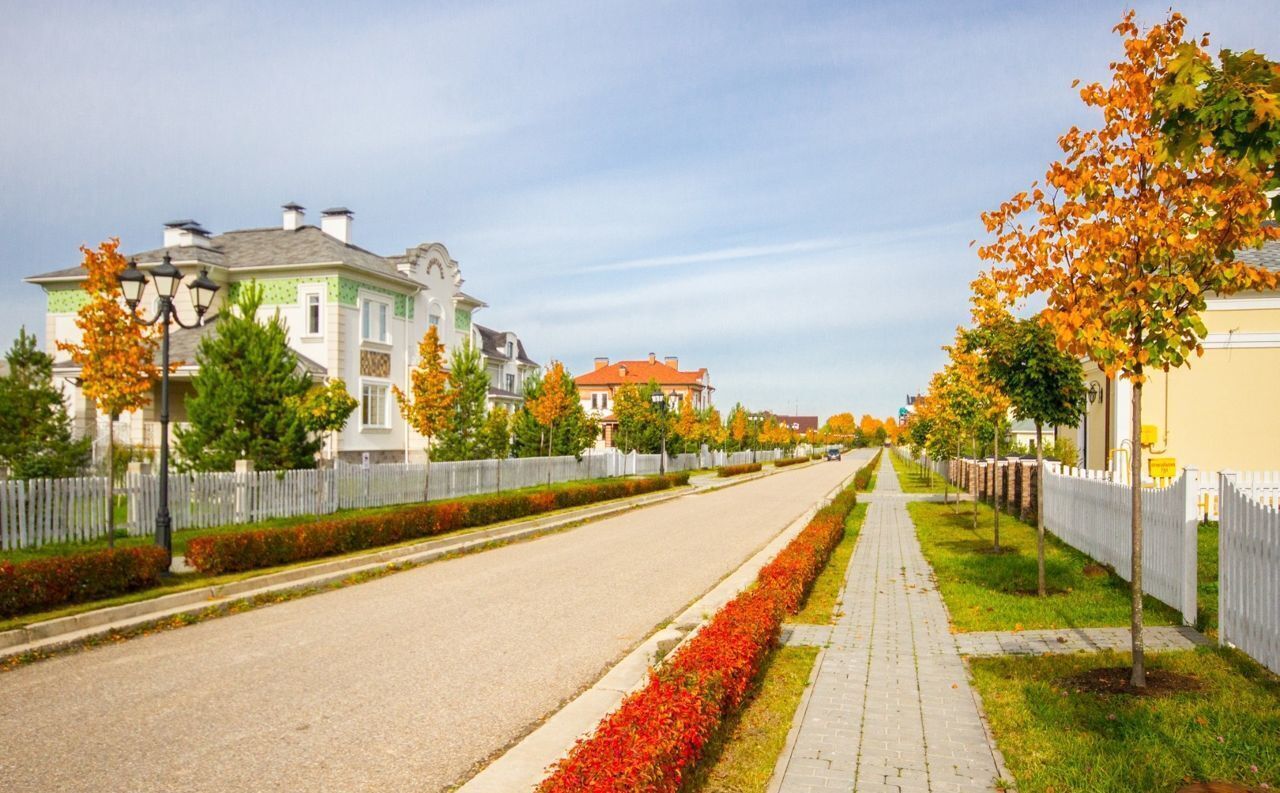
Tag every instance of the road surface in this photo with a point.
(409, 682)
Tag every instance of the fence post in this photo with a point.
(1226, 505)
(1190, 542)
(243, 469)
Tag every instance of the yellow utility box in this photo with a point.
(1162, 467)
(1149, 435)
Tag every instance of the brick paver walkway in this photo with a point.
(1076, 640)
(891, 708)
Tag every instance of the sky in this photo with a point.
(783, 193)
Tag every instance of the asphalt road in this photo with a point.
(409, 682)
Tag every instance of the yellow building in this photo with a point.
(1220, 412)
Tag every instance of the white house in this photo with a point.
(351, 314)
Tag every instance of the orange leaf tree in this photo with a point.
(1124, 241)
(553, 403)
(116, 354)
(426, 406)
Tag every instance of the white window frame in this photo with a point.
(435, 311)
(510, 382)
(376, 303)
(385, 385)
(304, 297)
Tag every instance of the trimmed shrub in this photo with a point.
(42, 584)
(785, 461)
(737, 470)
(656, 736)
(862, 479)
(250, 550)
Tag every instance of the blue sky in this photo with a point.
(783, 193)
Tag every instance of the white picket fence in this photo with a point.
(1091, 513)
(42, 511)
(938, 467)
(1249, 572)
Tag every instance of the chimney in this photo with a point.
(653, 357)
(672, 361)
(622, 370)
(336, 222)
(186, 233)
(292, 216)
(602, 363)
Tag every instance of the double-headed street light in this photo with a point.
(660, 402)
(166, 278)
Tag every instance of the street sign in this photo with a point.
(902, 413)
(1162, 467)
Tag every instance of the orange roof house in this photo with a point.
(598, 388)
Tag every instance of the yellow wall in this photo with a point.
(1223, 411)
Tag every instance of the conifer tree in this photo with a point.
(35, 430)
(246, 395)
(468, 389)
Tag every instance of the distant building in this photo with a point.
(507, 364)
(597, 389)
(800, 424)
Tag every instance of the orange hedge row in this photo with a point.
(862, 479)
(652, 741)
(42, 584)
(785, 461)
(250, 550)
(735, 470)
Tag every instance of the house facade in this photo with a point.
(350, 313)
(597, 389)
(1218, 412)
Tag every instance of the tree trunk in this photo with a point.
(1139, 677)
(978, 488)
(1039, 510)
(111, 482)
(995, 488)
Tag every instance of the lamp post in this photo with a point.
(660, 402)
(166, 278)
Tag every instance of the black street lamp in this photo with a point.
(166, 278)
(660, 402)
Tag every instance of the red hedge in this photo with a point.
(862, 479)
(656, 736)
(250, 550)
(42, 584)
(785, 461)
(734, 470)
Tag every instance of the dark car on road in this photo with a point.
(833, 452)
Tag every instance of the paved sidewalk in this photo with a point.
(1076, 640)
(891, 708)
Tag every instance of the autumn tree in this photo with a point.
(713, 431)
(572, 431)
(841, 425)
(495, 433)
(326, 407)
(641, 423)
(688, 428)
(116, 353)
(738, 426)
(426, 407)
(1124, 242)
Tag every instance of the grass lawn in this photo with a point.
(742, 760)
(986, 591)
(1057, 738)
(912, 481)
(1207, 578)
(820, 608)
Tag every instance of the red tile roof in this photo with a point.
(640, 372)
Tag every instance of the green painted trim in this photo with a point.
(65, 299)
(346, 291)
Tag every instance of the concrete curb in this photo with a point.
(523, 766)
(56, 633)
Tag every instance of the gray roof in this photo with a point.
(264, 247)
(1267, 256)
(493, 344)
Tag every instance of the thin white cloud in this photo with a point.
(736, 253)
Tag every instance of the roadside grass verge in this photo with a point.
(987, 592)
(1057, 737)
(182, 582)
(743, 761)
(180, 538)
(821, 608)
(865, 478)
(912, 481)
